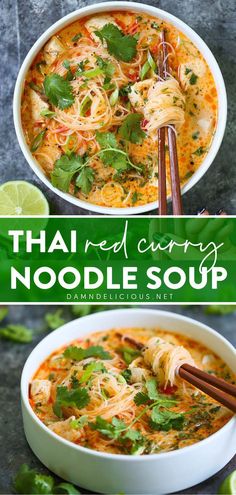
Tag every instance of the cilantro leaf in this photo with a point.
(28, 481)
(17, 333)
(75, 397)
(126, 375)
(78, 354)
(123, 47)
(58, 91)
(110, 430)
(107, 67)
(151, 386)
(90, 369)
(67, 488)
(85, 180)
(64, 170)
(217, 309)
(79, 423)
(54, 320)
(106, 139)
(130, 129)
(166, 420)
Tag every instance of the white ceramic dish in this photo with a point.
(109, 473)
(137, 7)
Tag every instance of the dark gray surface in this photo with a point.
(215, 22)
(13, 447)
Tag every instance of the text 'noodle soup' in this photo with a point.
(118, 391)
(93, 102)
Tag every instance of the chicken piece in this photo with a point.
(65, 429)
(187, 71)
(40, 391)
(52, 49)
(138, 93)
(97, 23)
(37, 105)
(138, 374)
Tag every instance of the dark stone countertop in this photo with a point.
(14, 450)
(214, 21)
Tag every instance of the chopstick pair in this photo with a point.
(163, 69)
(217, 388)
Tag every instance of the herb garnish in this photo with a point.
(76, 397)
(123, 47)
(130, 129)
(78, 354)
(59, 91)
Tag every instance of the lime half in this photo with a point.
(228, 487)
(22, 198)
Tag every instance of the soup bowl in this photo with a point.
(112, 473)
(111, 7)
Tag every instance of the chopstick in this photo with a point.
(211, 385)
(217, 388)
(174, 168)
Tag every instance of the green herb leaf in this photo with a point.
(106, 139)
(130, 130)
(121, 46)
(110, 430)
(79, 423)
(78, 354)
(82, 310)
(90, 369)
(54, 320)
(3, 312)
(126, 375)
(28, 481)
(151, 386)
(58, 91)
(66, 488)
(17, 333)
(107, 67)
(217, 309)
(37, 141)
(193, 79)
(200, 151)
(64, 170)
(75, 397)
(47, 113)
(166, 420)
(85, 180)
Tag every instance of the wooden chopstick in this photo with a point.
(174, 167)
(217, 388)
(204, 385)
(213, 380)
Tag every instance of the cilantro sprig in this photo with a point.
(132, 440)
(162, 418)
(67, 167)
(29, 481)
(111, 154)
(130, 129)
(123, 47)
(76, 397)
(78, 354)
(59, 91)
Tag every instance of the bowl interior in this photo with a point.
(126, 318)
(138, 7)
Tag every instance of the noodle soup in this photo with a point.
(118, 391)
(93, 101)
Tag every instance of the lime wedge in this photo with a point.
(228, 487)
(22, 198)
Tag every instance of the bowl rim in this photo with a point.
(114, 6)
(105, 455)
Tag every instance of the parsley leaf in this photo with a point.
(28, 481)
(75, 397)
(121, 46)
(64, 170)
(130, 130)
(17, 333)
(85, 180)
(78, 354)
(58, 91)
(54, 320)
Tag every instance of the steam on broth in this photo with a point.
(107, 394)
(92, 104)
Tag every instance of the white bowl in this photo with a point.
(137, 7)
(110, 473)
